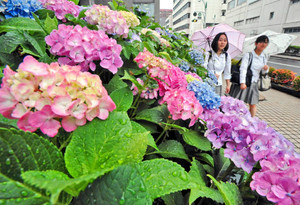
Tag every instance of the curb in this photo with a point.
(286, 90)
(286, 57)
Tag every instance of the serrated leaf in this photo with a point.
(123, 185)
(172, 148)
(221, 163)
(55, 182)
(50, 24)
(43, 13)
(230, 192)
(165, 55)
(123, 98)
(115, 83)
(152, 115)
(136, 184)
(140, 129)
(20, 23)
(14, 192)
(195, 139)
(22, 151)
(103, 145)
(150, 47)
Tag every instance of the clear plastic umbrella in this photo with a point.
(278, 42)
(203, 38)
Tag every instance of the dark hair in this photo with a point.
(262, 38)
(214, 44)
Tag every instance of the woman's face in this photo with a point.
(261, 45)
(222, 42)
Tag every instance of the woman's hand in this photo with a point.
(265, 67)
(217, 76)
(227, 90)
(243, 86)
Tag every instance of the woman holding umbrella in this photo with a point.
(218, 61)
(250, 94)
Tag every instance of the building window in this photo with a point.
(252, 1)
(295, 1)
(185, 16)
(252, 20)
(238, 23)
(186, 26)
(223, 12)
(175, 7)
(292, 30)
(231, 4)
(271, 15)
(187, 5)
(239, 2)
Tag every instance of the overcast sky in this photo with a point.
(166, 4)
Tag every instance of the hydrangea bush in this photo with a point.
(100, 105)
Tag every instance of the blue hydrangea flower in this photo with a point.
(20, 8)
(197, 57)
(212, 77)
(205, 95)
(184, 66)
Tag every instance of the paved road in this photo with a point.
(282, 112)
(279, 63)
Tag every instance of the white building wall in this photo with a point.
(255, 16)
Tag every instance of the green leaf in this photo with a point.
(43, 13)
(82, 13)
(13, 60)
(132, 79)
(176, 127)
(50, 24)
(172, 148)
(12, 122)
(198, 177)
(152, 115)
(124, 185)
(207, 158)
(137, 183)
(22, 151)
(150, 47)
(195, 139)
(197, 173)
(123, 98)
(55, 182)
(115, 83)
(173, 199)
(10, 41)
(221, 163)
(37, 41)
(140, 129)
(102, 145)
(165, 55)
(230, 192)
(126, 51)
(20, 23)
(75, 1)
(14, 192)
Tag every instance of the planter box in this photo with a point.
(286, 90)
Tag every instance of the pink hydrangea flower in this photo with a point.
(50, 96)
(81, 46)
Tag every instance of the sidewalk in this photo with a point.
(282, 112)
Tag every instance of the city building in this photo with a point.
(255, 16)
(191, 15)
(151, 6)
(164, 14)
